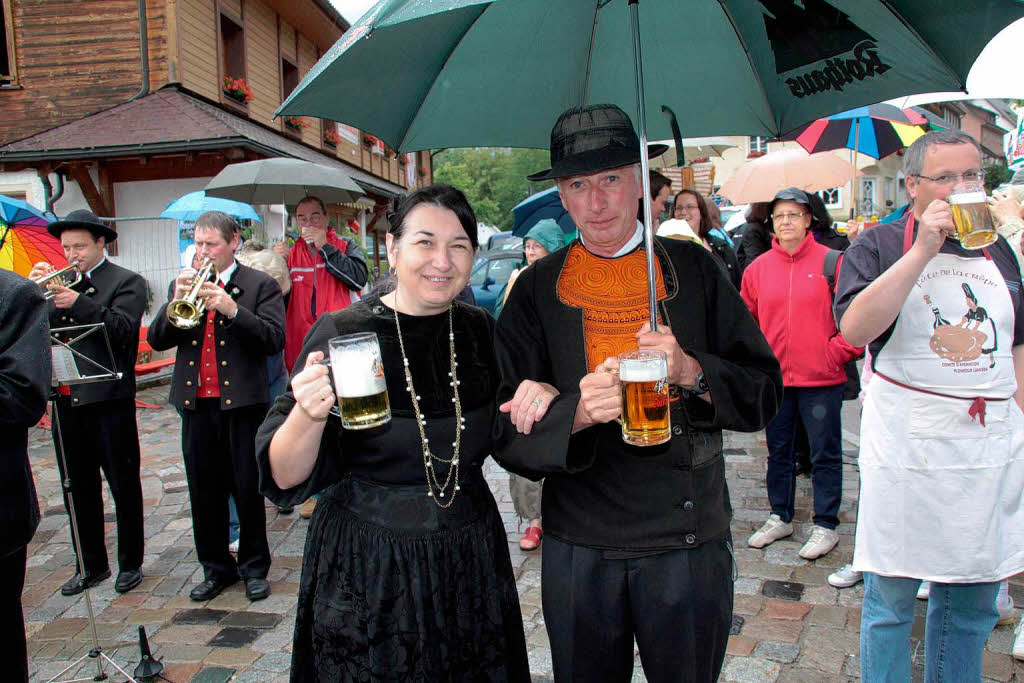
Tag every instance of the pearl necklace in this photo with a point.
(429, 458)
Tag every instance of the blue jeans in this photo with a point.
(819, 409)
(960, 618)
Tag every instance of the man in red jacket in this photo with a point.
(327, 273)
(787, 293)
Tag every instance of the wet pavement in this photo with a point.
(789, 624)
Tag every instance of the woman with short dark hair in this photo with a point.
(406, 573)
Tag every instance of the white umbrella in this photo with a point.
(693, 148)
(283, 181)
(759, 180)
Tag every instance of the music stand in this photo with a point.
(65, 374)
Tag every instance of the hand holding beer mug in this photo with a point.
(359, 380)
(643, 375)
(971, 216)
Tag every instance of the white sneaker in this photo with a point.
(1006, 613)
(922, 592)
(233, 546)
(773, 530)
(1018, 643)
(822, 540)
(845, 577)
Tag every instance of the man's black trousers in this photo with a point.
(677, 604)
(220, 460)
(102, 436)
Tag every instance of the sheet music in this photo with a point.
(64, 366)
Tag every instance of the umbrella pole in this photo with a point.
(645, 165)
(853, 182)
(3, 237)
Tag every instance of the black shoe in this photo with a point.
(257, 589)
(286, 510)
(76, 584)
(210, 589)
(127, 580)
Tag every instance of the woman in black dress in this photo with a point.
(406, 572)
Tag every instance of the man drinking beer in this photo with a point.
(637, 541)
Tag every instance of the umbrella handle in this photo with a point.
(645, 166)
(677, 136)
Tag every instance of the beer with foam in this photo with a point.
(643, 376)
(359, 381)
(973, 220)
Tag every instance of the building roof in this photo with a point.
(166, 121)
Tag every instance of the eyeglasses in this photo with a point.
(687, 207)
(780, 217)
(950, 179)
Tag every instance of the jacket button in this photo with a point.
(228, 401)
(74, 400)
(188, 383)
(188, 402)
(378, 309)
(222, 343)
(71, 320)
(677, 430)
(224, 363)
(688, 505)
(227, 383)
(195, 343)
(690, 539)
(63, 317)
(191, 363)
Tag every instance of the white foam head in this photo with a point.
(647, 370)
(357, 371)
(968, 198)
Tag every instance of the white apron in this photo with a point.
(942, 440)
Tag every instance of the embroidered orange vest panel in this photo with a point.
(613, 296)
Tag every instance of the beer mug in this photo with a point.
(643, 375)
(973, 221)
(359, 380)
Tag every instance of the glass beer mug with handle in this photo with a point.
(974, 226)
(359, 380)
(643, 375)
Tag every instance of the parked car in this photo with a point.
(505, 241)
(490, 273)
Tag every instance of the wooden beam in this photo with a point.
(106, 188)
(80, 174)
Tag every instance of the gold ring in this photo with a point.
(538, 402)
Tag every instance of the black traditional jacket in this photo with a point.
(24, 388)
(598, 491)
(242, 344)
(116, 297)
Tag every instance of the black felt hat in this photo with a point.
(591, 139)
(83, 219)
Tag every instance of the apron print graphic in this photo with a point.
(964, 341)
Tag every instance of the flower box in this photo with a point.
(238, 90)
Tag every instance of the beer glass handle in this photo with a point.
(334, 409)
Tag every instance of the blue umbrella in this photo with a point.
(189, 207)
(537, 207)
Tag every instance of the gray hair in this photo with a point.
(255, 255)
(913, 159)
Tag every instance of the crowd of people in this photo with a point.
(406, 573)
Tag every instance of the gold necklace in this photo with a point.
(460, 423)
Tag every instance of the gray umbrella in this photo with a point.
(283, 181)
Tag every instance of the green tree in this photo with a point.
(996, 175)
(493, 178)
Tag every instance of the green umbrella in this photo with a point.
(428, 74)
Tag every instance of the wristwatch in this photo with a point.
(700, 386)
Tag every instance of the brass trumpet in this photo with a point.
(68, 276)
(187, 311)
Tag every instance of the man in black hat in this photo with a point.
(97, 420)
(221, 388)
(637, 541)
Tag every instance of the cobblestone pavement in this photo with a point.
(790, 624)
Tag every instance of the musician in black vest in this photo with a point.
(97, 420)
(24, 388)
(220, 385)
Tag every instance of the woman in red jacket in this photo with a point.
(787, 293)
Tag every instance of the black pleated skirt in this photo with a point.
(396, 589)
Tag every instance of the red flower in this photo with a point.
(238, 89)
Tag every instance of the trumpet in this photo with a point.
(186, 312)
(68, 276)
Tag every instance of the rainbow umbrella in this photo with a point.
(876, 131)
(23, 237)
